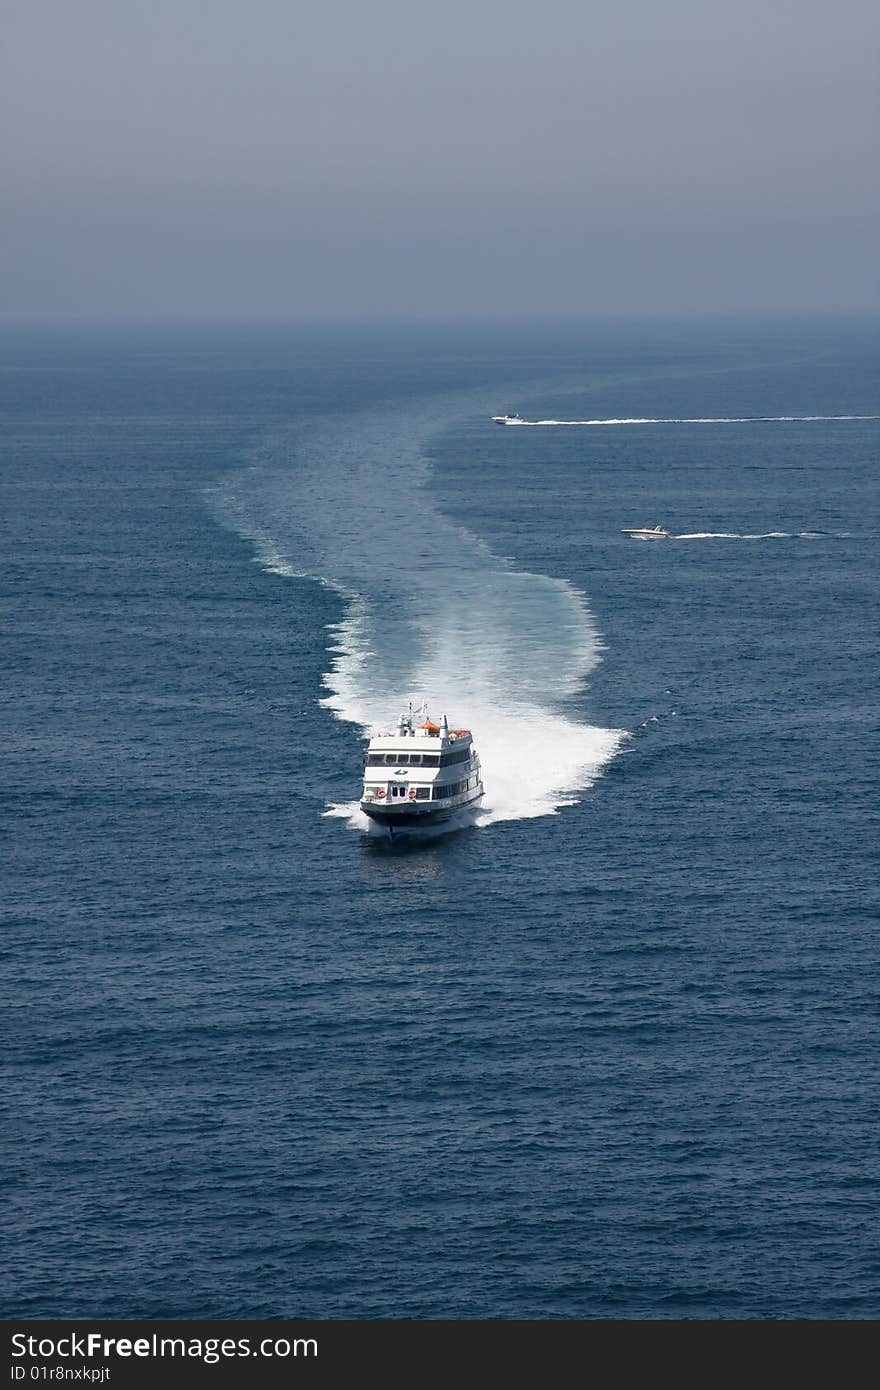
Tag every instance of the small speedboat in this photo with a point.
(513, 419)
(420, 774)
(647, 533)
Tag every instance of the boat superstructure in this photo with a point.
(647, 533)
(421, 773)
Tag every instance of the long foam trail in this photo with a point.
(431, 611)
(761, 535)
(691, 420)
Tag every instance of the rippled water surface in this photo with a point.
(607, 1051)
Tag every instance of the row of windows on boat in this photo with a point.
(458, 755)
(400, 791)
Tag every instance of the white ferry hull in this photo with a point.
(413, 815)
(430, 775)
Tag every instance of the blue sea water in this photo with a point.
(610, 1052)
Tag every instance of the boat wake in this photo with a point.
(513, 422)
(430, 611)
(761, 535)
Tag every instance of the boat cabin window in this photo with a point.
(457, 755)
(423, 793)
(415, 759)
(448, 789)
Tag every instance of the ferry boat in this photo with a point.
(420, 774)
(508, 419)
(647, 533)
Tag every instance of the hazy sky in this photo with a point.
(295, 158)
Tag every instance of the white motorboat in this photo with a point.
(513, 419)
(420, 774)
(647, 533)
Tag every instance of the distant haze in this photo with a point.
(283, 159)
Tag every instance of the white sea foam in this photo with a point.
(761, 535)
(691, 420)
(431, 612)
